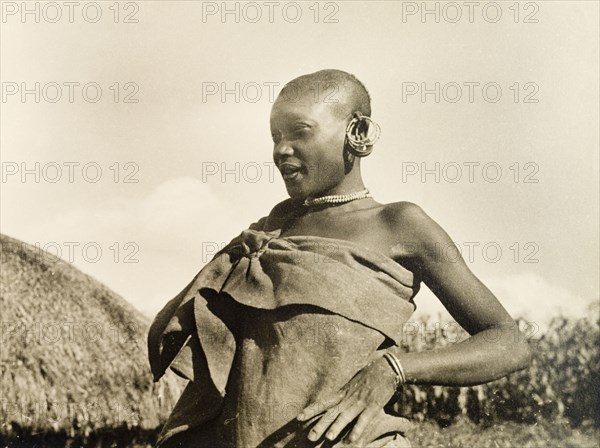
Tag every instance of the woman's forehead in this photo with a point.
(304, 108)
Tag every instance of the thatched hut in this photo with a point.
(73, 357)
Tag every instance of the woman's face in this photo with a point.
(308, 147)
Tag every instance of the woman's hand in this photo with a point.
(364, 396)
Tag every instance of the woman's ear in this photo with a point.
(361, 134)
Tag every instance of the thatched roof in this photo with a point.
(73, 353)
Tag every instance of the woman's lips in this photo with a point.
(290, 171)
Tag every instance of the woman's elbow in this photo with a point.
(521, 356)
(515, 352)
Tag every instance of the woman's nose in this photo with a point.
(282, 148)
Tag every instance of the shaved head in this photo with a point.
(342, 90)
(309, 122)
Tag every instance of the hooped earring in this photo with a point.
(361, 134)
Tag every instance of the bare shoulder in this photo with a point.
(411, 224)
(404, 215)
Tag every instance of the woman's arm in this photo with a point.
(495, 348)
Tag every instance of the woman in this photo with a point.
(290, 335)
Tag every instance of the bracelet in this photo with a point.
(397, 367)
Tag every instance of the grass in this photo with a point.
(464, 433)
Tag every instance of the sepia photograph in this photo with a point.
(300, 224)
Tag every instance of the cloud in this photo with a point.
(526, 295)
(168, 215)
(150, 247)
(532, 296)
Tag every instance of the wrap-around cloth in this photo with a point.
(269, 325)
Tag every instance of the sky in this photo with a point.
(146, 146)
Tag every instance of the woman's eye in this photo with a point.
(300, 130)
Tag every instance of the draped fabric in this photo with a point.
(277, 281)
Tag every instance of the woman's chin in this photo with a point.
(296, 194)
